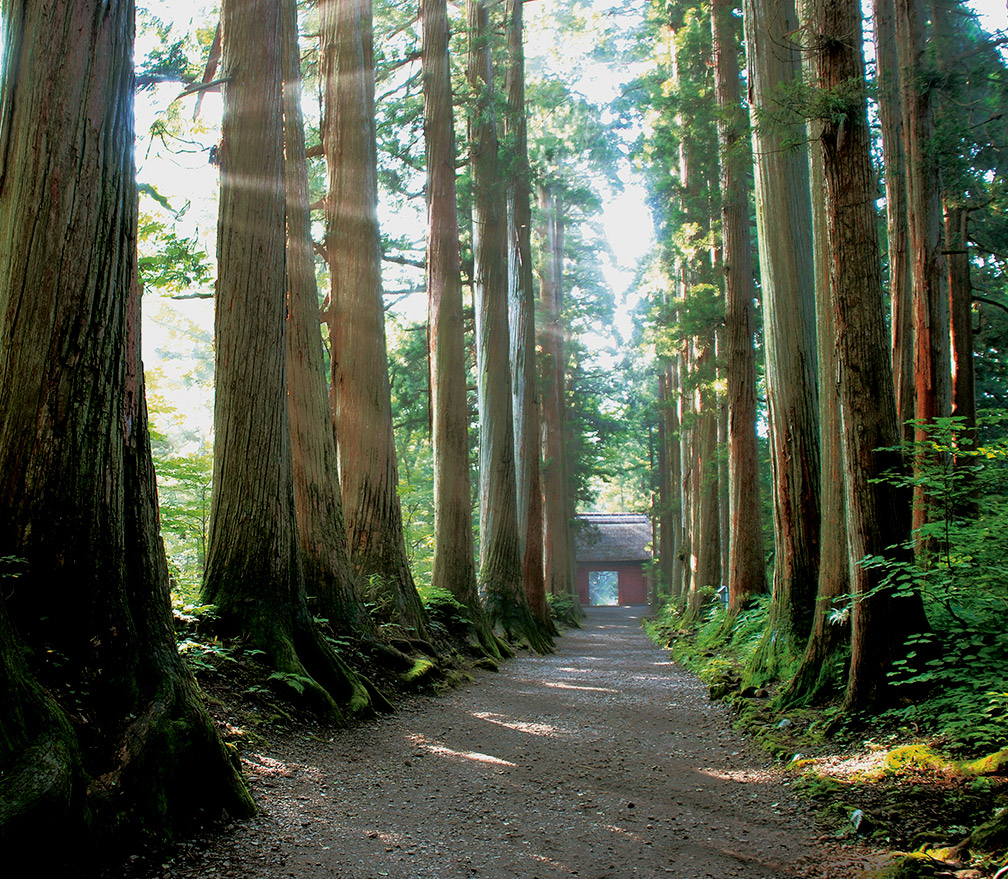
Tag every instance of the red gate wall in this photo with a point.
(633, 587)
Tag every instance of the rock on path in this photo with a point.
(605, 760)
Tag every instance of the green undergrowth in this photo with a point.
(927, 780)
(564, 610)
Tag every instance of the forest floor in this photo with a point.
(603, 760)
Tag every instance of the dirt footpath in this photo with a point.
(605, 760)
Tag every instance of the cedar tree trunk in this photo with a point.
(746, 576)
(521, 322)
(454, 551)
(877, 515)
(361, 401)
(500, 544)
(86, 629)
(784, 228)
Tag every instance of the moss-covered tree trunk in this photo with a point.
(500, 571)
(746, 574)
(784, 230)
(454, 550)
(85, 627)
(361, 399)
(521, 321)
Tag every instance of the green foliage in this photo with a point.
(965, 591)
(563, 610)
(444, 609)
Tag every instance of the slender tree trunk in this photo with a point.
(500, 541)
(930, 308)
(894, 165)
(322, 532)
(454, 551)
(784, 227)
(521, 320)
(361, 401)
(666, 490)
(878, 520)
(559, 548)
(963, 382)
(78, 502)
(746, 576)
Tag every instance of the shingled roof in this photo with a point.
(613, 537)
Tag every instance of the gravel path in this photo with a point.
(605, 760)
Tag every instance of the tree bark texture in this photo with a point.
(667, 492)
(961, 307)
(361, 401)
(521, 323)
(321, 529)
(253, 571)
(817, 675)
(746, 574)
(559, 542)
(784, 228)
(454, 550)
(500, 543)
(932, 379)
(85, 626)
(877, 515)
(897, 233)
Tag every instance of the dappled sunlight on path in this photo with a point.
(604, 760)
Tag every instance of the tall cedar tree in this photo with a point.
(361, 401)
(746, 574)
(85, 625)
(932, 363)
(817, 673)
(521, 321)
(253, 571)
(878, 518)
(698, 305)
(500, 545)
(454, 551)
(557, 513)
(890, 112)
(321, 530)
(784, 230)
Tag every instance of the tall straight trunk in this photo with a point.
(361, 400)
(666, 489)
(674, 432)
(500, 543)
(877, 515)
(321, 530)
(85, 617)
(894, 164)
(932, 379)
(559, 544)
(961, 307)
(784, 228)
(746, 574)
(454, 551)
(687, 470)
(253, 572)
(521, 320)
(817, 673)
